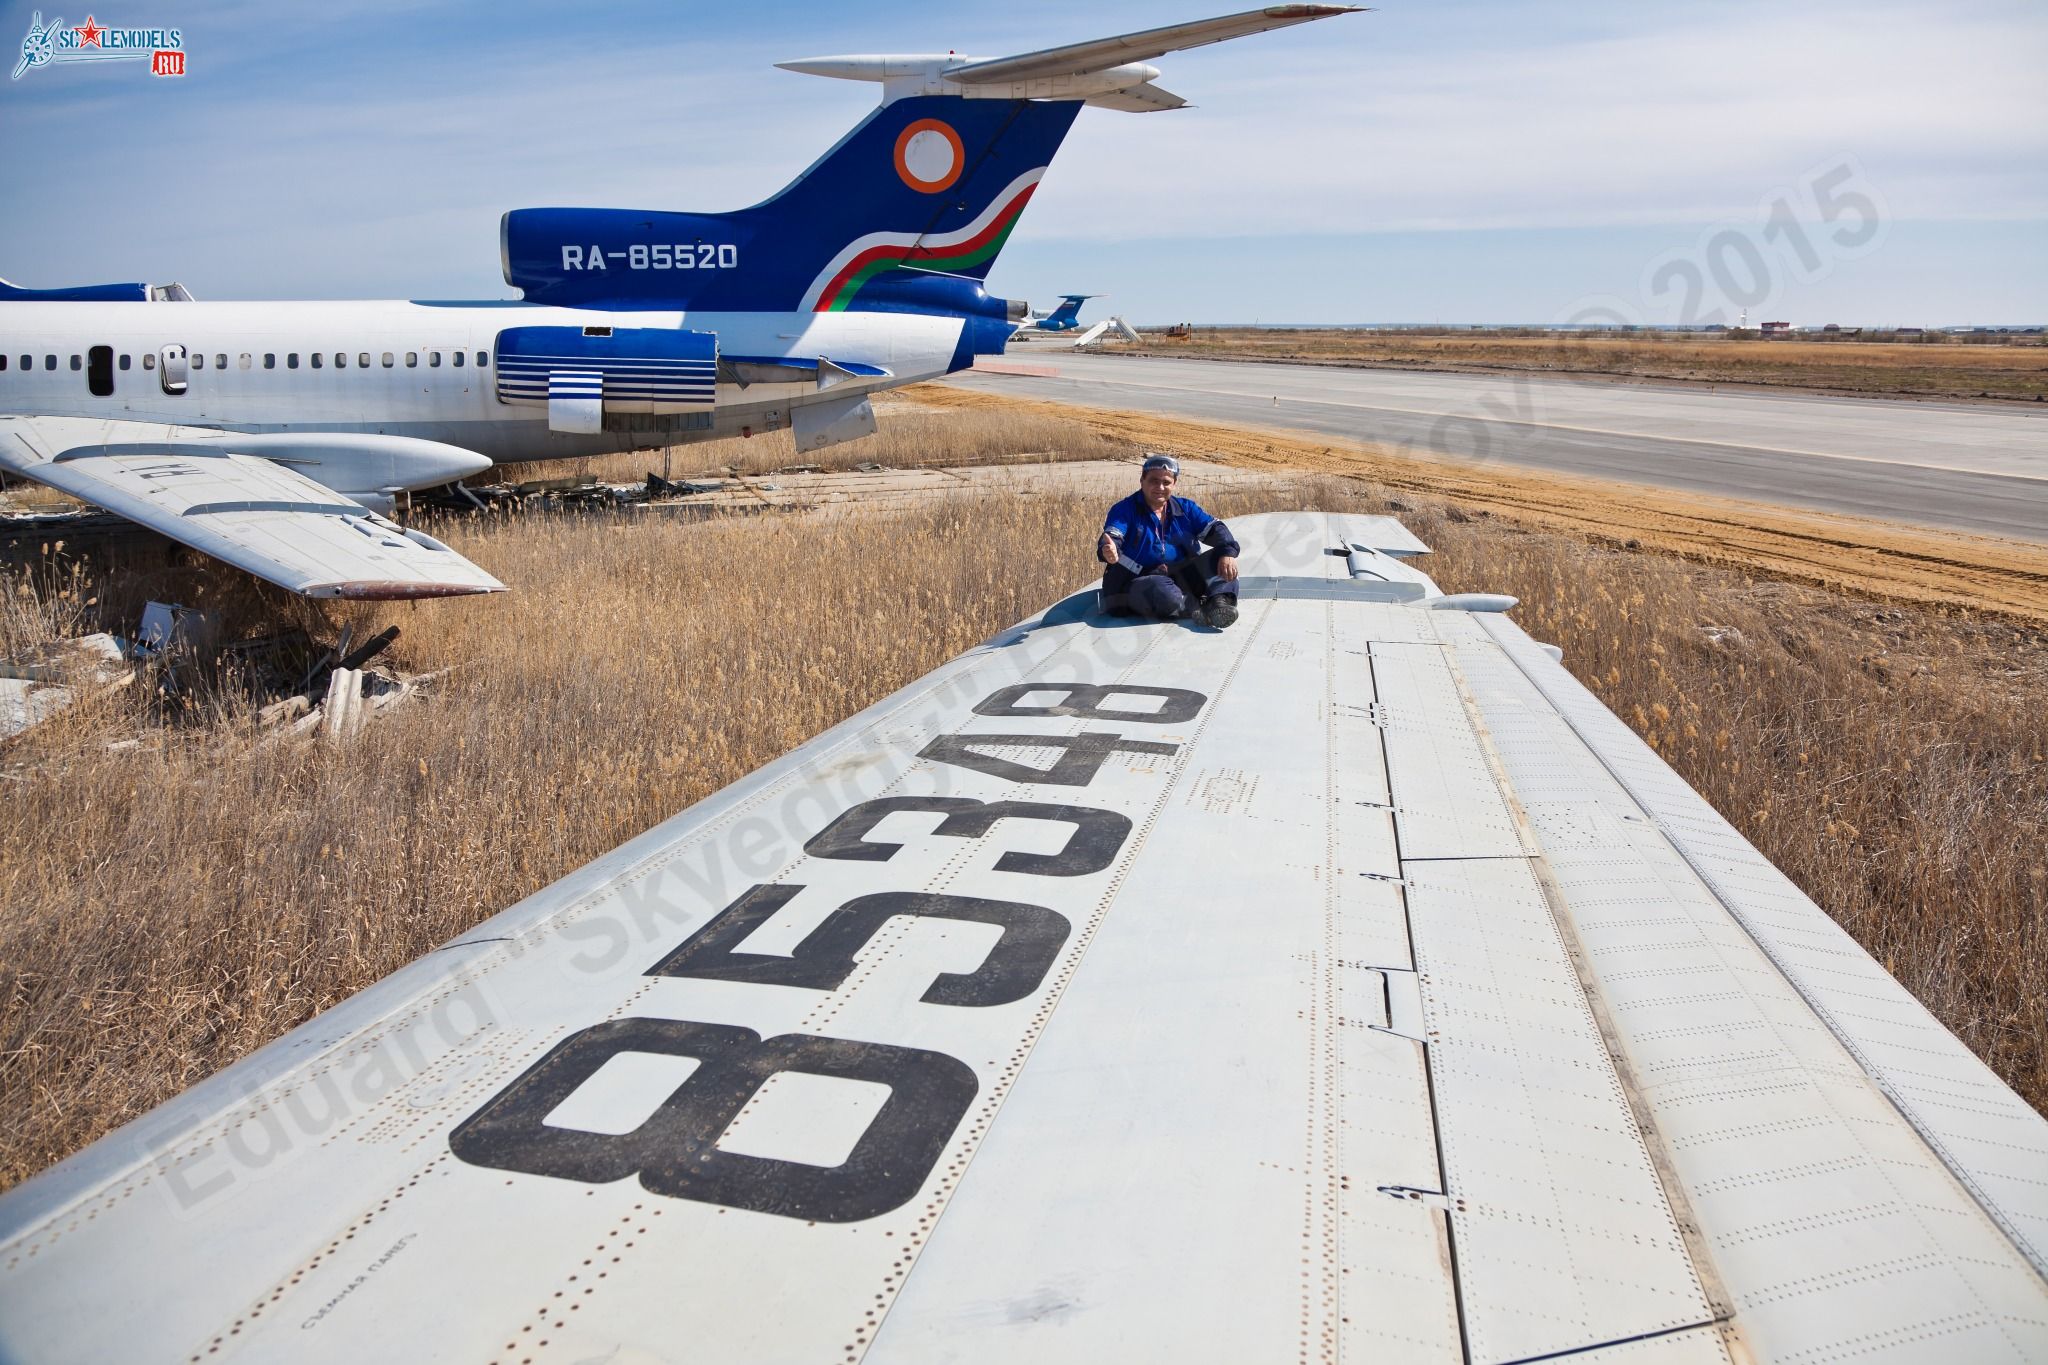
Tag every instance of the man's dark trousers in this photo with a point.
(1165, 592)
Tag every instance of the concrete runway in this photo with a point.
(1973, 467)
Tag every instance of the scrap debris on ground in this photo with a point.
(804, 486)
(46, 681)
(337, 714)
(327, 692)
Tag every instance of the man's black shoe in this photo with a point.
(1220, 611)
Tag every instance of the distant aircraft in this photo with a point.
(273, 435)
(1350, 986)
(1066, 317)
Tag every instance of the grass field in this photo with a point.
(1922, 369)
(171, 904)
(1910, 565)
(913, 434)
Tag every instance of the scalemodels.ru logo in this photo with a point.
(162, 48)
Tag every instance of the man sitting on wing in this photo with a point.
(1152, 543)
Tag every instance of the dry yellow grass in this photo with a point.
(1892, 762)
(170, 907)
(1923, 369)
(1918, 566)
(167, 907)
(913, 434)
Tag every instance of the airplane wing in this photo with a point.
(193, 485)
(1347, 985)
(1080, 58)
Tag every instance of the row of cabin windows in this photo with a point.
(291, 360)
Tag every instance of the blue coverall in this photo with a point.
(1162, 570)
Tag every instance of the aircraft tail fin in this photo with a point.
(1068, 314)
(925, 187)
(907, 212)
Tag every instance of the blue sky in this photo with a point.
(1455, 160)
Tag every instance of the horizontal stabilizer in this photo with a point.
(1080, 58)
(907, 213)
(1109, 73)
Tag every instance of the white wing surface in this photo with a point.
(266, 518)
(1102, 53)
(1140, 99)
(1349, 984)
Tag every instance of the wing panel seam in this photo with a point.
(1714, 887)
(1429, 1065)
(1705, 1273)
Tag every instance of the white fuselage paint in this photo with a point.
(444, 402)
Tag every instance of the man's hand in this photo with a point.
(1227, 567)
(1105, 549)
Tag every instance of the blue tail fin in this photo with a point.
(1067, 315)
(924, 191)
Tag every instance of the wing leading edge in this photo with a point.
(261, 516)
(1076, 59)
(1337, 984)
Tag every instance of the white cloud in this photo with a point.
(339, 170)
(403, 185)
(1693, 115)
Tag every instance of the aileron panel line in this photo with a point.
(1564, 1237)
(1826, 1215)
(1446, 801)
(1313, 990)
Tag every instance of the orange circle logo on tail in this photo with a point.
(929, 156)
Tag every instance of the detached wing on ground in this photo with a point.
(1349, 985)
(194, 486)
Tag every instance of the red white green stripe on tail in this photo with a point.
(956, 252)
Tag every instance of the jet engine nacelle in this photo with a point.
(585, 374)
(97, 293)
(366, 467)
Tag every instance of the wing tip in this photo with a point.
(378, 590)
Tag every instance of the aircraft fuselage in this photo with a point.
(423, 369)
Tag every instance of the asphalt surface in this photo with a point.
(1972, 467)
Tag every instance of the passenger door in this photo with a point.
(171, 369)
